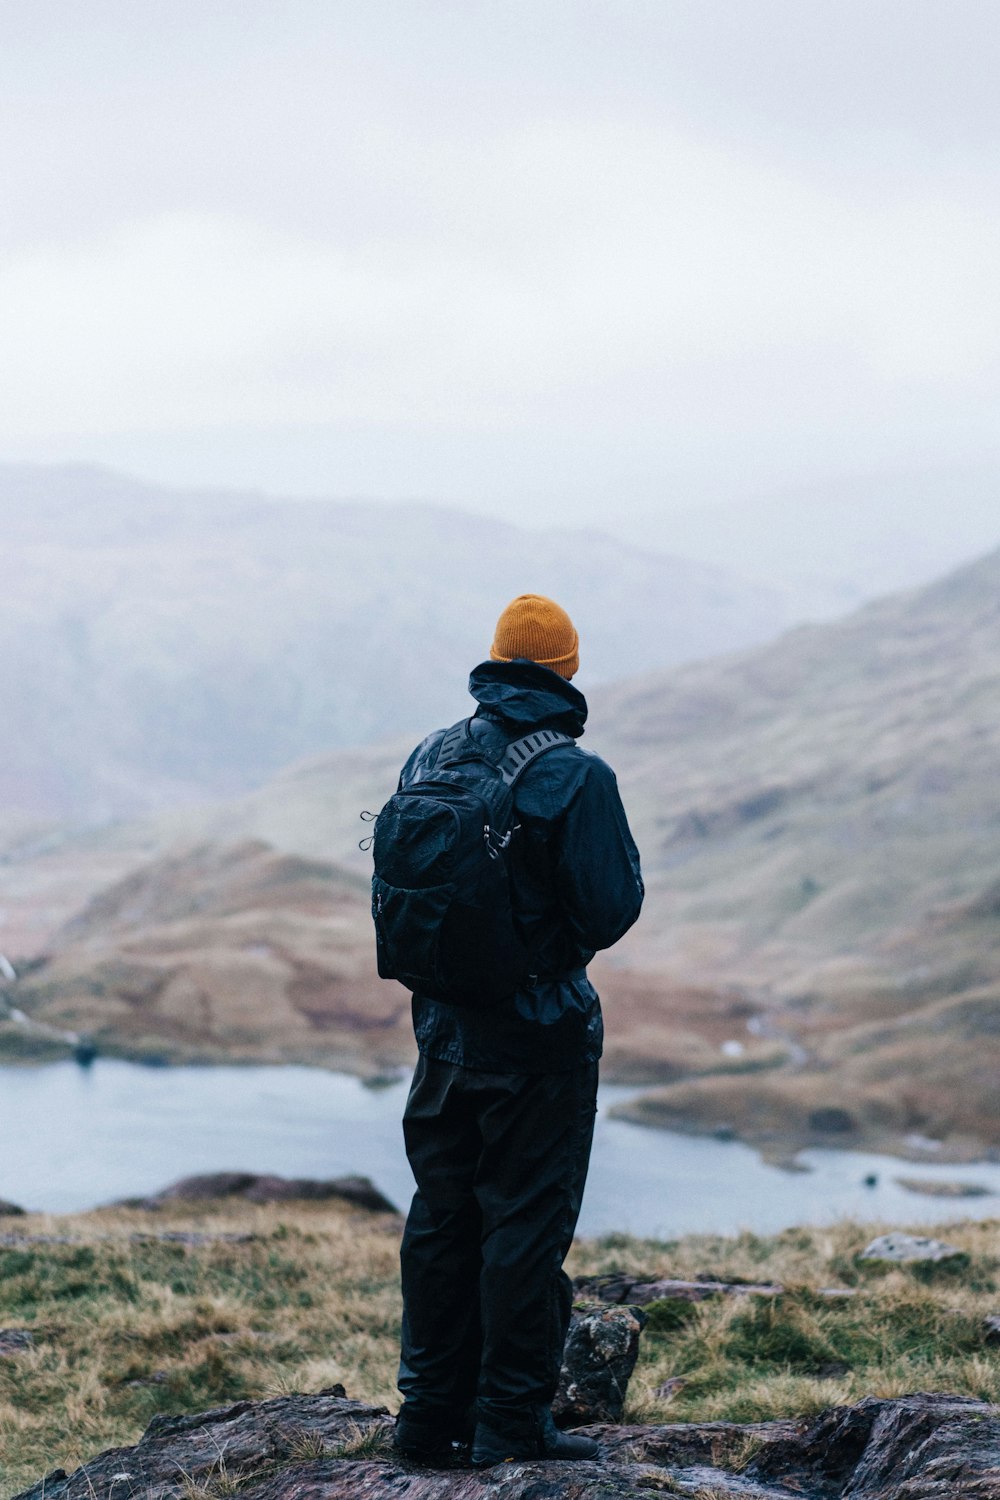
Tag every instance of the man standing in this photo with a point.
(499, 1120)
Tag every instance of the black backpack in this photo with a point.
(441, 889)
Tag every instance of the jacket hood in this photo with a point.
(524, 692)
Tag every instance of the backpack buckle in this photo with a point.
(496, 843)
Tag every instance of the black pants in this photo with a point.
(500, 1161)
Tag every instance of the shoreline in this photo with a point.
(777, 1148)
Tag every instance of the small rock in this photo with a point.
(15, 1341)
(931, 1188)
(10, 1209)
(991, 1328)
(831, 1121)
(912, 1249)
(601, 1349)
(377, 1081)
(669, 1388)
(918, 1142)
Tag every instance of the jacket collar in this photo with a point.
(525, 693)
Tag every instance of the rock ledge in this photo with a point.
(326, 1447)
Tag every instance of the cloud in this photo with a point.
(565, 237)
(586, 263)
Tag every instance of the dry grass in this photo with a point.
(127, 1327)
(754, 1359)
(127, 1324)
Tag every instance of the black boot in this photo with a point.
(556, 1444)
(526, 1436)
(434, 1444)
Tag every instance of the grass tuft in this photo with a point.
(364, 1442)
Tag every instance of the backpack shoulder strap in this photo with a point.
(519, 755)
(454, 743)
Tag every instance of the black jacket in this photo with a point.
(575, 880)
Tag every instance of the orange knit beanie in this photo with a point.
(535, 627)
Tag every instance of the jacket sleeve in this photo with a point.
(598, 878)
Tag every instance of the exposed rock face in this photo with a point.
(256, 1188)
(910, 1249)
(642, 1290)
(15, 1341)
(601, 1349)
(920, 1447)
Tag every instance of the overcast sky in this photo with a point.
(539, 257)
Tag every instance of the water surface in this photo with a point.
(71, 1138)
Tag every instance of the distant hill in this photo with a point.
(158, 647)
(225, 952)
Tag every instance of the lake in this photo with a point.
(73, 1137)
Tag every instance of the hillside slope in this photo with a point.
(224, 952)
(819, 828)
(803, 800)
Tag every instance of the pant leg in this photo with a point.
(440, 1252)
(529, 1186)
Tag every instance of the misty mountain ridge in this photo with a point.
(831, 546)
(159, 647)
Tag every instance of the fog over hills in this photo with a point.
(158, 647)
(821, 842)
(807, 795)
(833, 546)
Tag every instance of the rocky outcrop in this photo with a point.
(912, 1249)
(325, 1447)
(255, 1187)
(15, 1341)
(641, 1290)
(599, 1355)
